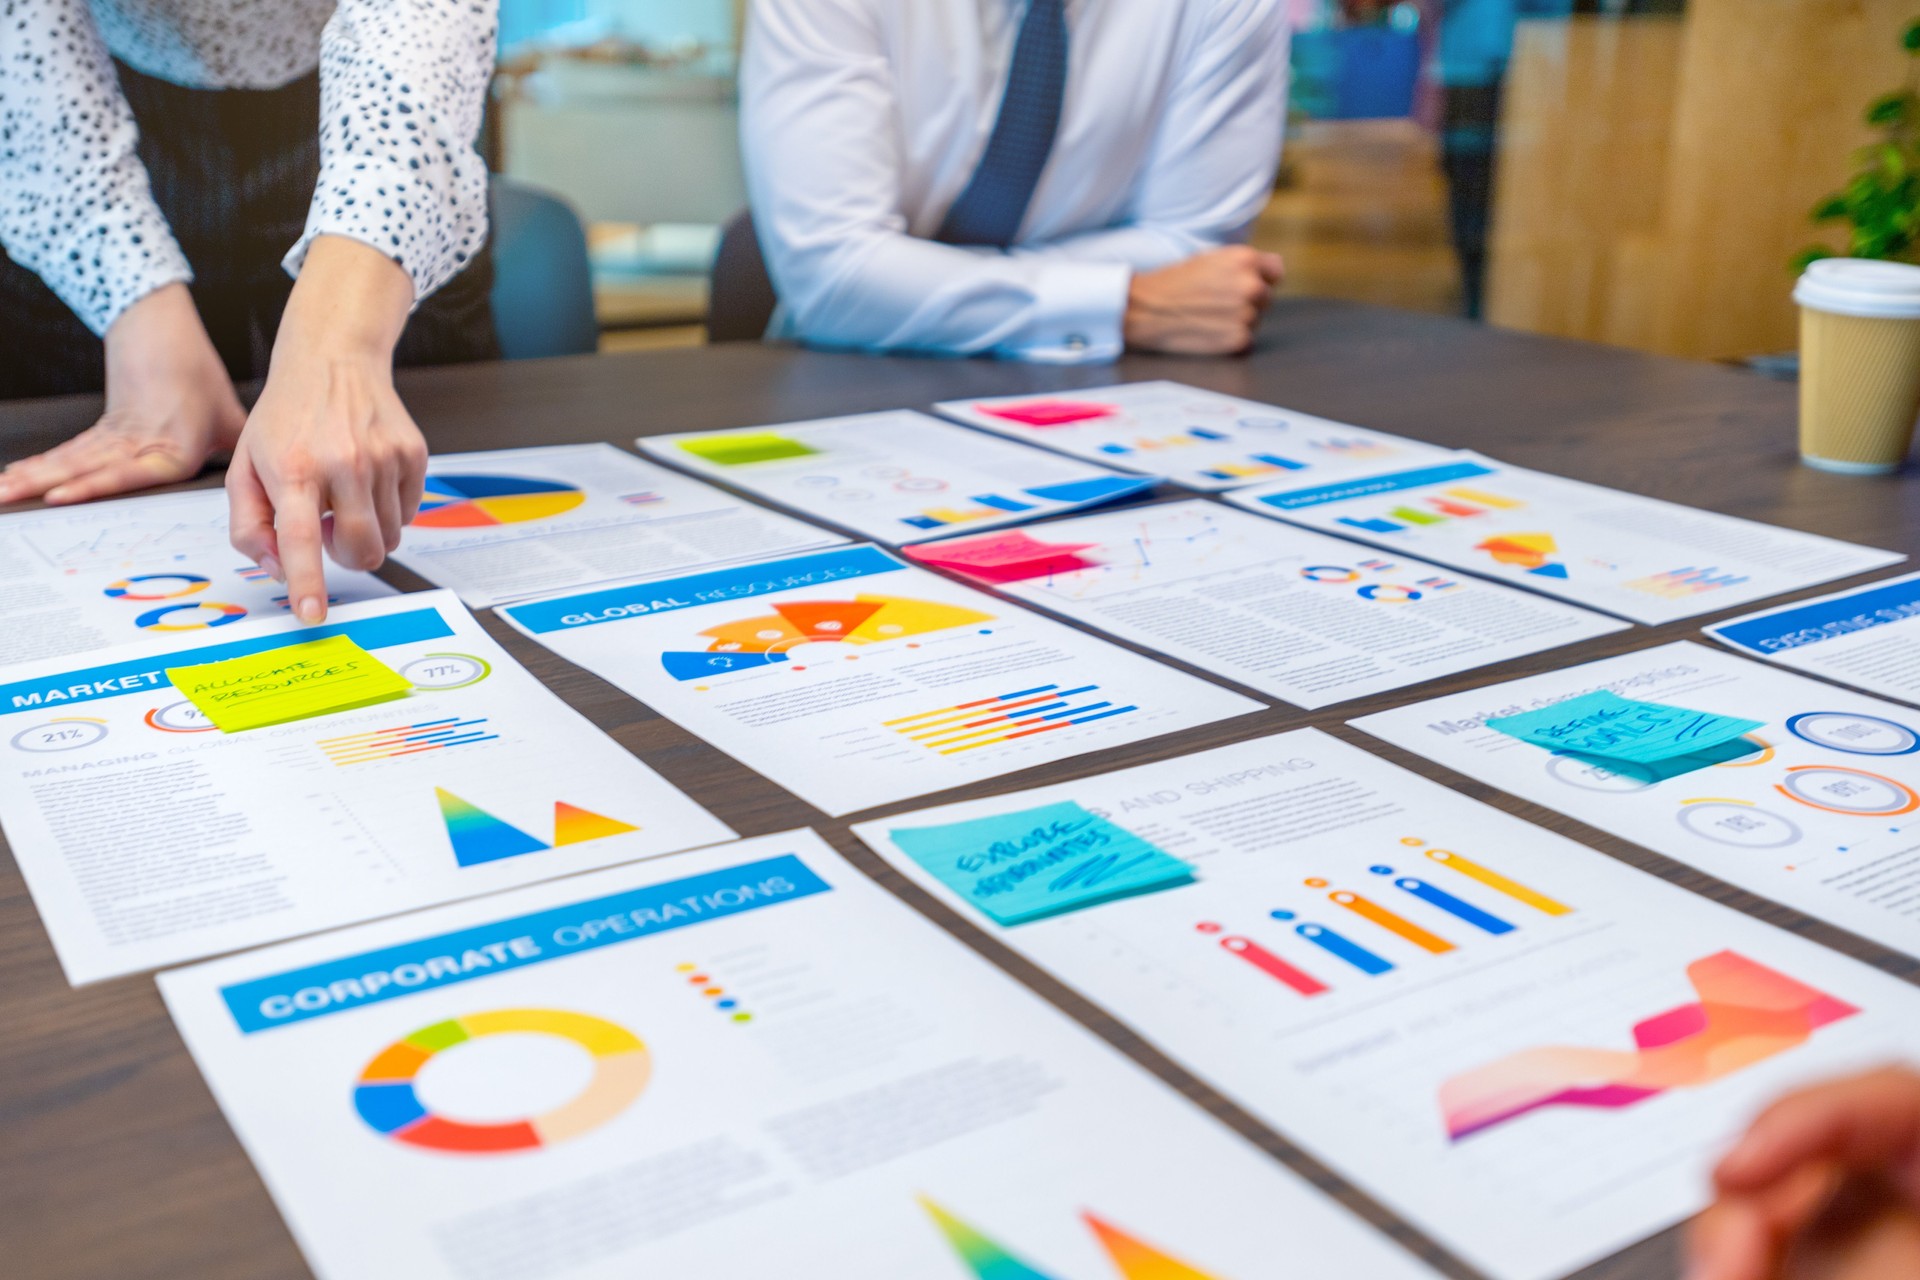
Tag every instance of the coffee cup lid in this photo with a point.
(1861, 287)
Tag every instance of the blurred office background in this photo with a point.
(1638, 172)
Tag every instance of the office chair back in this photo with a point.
(740, 299)
(542, 280)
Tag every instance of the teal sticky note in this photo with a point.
(1040, 862)
(1610, 727)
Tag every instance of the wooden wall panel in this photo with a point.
(1582, 167)
(1655, 175)
(1771, 93)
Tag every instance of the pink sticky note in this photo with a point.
(1049, 413)
(1012, 556)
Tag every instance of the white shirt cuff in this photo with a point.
(1082, 306)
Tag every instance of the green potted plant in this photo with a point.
(1881, 202)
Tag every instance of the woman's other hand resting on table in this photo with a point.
(329, 458)
(169, 407)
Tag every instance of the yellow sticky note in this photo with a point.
(290, 683)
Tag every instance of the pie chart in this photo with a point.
(471, 502)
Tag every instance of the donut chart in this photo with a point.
(475, 502)
(197, 616)
(156, 586)
(1388, 593)
(387, 1101)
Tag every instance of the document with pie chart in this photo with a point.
(853, 679)
(100, 574)
(1621, 553)
(735, 1064)
(1820, 809)
(148, 836)
(516, 523)
(898, 476)
(1533, 1052)
(1195, 438)
(1291, 613)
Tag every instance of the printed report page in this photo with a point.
(1868, 637)
(743, 1062)
(1302, 617)
(896, 477)
(515, 523)
(1532, 1051)
(1819, 808)
(1195, 438)
(148, 836)
(1618, 552)
(853, 679)
(102, 574)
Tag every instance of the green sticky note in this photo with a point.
(739, 448)
(1610, 727)
(291, 683)
(1040, 862)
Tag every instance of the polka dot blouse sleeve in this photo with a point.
(402, 87)
(75, 207)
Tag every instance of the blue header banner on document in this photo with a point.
(1393, 482)
(663, 595)
(65, 688)
(431, 963)
(1825, 619)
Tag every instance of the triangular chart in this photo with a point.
(573, 825)
(1136, 1259)
(985, 1257)
(478, 836)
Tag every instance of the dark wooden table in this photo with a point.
(114, 1160)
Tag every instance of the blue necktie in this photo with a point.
(990, 210)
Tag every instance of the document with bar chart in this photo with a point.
(1532, 1051)
(148, 836)
(1624, 554)
(854, 680)
(1819, 808)
(898, 476)
(1199, 439)
(740, 1063)
(80, 578)
(517, 523)
(1303, 617)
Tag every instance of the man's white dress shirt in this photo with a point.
(863, 120)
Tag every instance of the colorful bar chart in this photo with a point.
(406, 740)
(1456, 503)
(1341, 947)
(986, 506)
(1678, 584)
(1494, 880)
(1005, 717)
(1435, 896)
(1392, 922)
(1273, 966)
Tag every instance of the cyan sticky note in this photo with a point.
(1039, 862)
(1611, 727)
